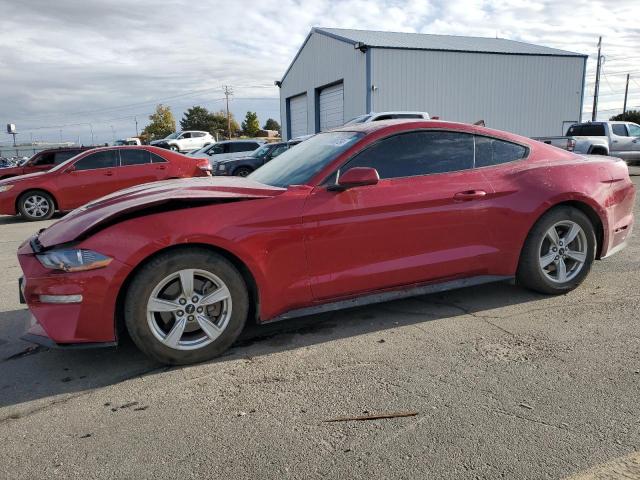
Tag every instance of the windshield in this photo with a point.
(298, 165)
(172, 136)
(65, 163)
(260, 152)
(360, 119)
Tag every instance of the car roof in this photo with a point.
(397, 112)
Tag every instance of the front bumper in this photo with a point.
(7, 203)
(88, 321)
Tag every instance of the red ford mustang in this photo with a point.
(357, 215)
(91, 175)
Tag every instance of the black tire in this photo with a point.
(242, 172)
(153, 273)
(598, 151)
(530, 273)
(27, 201)
(174, 148)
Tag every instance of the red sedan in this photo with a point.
(91, 175)
(358, 215)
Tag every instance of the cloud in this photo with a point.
(106, 61)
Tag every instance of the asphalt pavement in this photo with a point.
(495, 382)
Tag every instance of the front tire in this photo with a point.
(36, 205)
(174, 148)
(242, 172)
(558, 252)
(186, 306)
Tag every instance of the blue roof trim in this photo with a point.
(322, 32)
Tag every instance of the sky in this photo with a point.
(71, 66)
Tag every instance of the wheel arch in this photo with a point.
(56, 206)
(247, 275)
(589, 211)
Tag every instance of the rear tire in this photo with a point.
(556, 263)
(36, 205)
(171, 311)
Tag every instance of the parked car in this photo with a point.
(42, 161)
(376, 117)
(186, 141)
(243, 166)
(91, 175)
(227, 149)
(127, 141)
(353, 216)
(618, 139)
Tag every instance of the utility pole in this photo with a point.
(136, 119)
(626, 93)
(227, 92)
(594, 113)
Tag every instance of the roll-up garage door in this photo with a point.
(298, 112)
(331, 107)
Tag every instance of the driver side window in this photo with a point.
(103, 159)
(634, 130)
(417, 153)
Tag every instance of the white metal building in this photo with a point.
(339, 74)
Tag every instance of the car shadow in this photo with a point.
(17, 219)
(46, 375)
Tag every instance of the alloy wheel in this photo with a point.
(189, 309)
(36, 206)
(563, 251)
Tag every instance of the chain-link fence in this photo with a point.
(20, 151)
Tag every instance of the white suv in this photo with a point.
(375, 117)
(187, 141)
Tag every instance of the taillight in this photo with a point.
(571, 144)
(204, 165)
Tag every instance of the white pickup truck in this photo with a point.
(618, 139)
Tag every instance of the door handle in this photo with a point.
(108, 173)
(161, 167)
(469, 195)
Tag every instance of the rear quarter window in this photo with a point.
(491, 151)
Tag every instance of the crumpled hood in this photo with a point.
(200, 189)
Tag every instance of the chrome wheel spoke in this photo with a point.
(215, 297)
(572, 234)
(562, 270)
(186, 281)
(547, 259)
(209, 328)
(174, 336)
(552, 234)
(159, 305)
(579, 257)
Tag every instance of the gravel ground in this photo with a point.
(505, 383)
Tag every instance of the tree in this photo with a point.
(271, 124)
(162, 123)
(197, 118)
(251, 126)
(630, 116)
(221, 123)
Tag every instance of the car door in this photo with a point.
(90, 177)
(425, 220)
(634, 134)
(136, 168)
(275, 151)
(43, 162)
(622, 144)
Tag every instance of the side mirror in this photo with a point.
(72, 168)
(356, 177)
